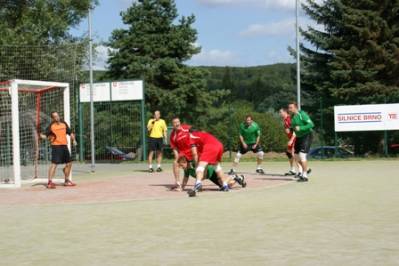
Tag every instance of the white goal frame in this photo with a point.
(13, 91)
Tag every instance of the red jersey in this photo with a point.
(180, 140)
(287, 125)
(210, 149)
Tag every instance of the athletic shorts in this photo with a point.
(303, 144)
(242, 150)
(212, 153)
(60, 154)
(155, 144)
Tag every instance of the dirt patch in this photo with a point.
(137, 186)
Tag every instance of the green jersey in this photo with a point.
(210, 172)
(303, 121)
(250, 133)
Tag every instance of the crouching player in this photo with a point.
(208, 150)
(210, 174)
(302, 125)
(181, 145)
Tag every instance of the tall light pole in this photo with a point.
(298, 56)
(93, 148)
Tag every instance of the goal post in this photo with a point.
(25, 108)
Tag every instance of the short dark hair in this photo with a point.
(294, 103)
(182, 159)
(52, 113)
(175, 117)
(285, 109)
(249, 116)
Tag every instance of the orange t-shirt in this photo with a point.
(59, 132)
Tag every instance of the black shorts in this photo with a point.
(155, 144)
(242, 150)
(303, 144)
(60, 154)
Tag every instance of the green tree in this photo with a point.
(155, 46)
(355, 58)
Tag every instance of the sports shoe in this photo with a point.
(198, 187)
(240, 180)
(309, 171)
(159, 169)
(260, 171)
(290, 172)
(225, 189)
(231, 172)
(303, 179)
(69, 183)
(151, 170)
(51, 185)
(192, 193)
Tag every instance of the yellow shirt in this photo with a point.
(157, 129)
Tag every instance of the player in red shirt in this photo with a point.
(180, 143)
(291, 141)
(209, 150)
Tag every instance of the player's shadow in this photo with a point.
(188, 187)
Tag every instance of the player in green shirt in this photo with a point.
(210, 174)
(302, 125)
(249, 141)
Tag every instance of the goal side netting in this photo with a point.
(25, 108)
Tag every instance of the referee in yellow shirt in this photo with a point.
(158, 133)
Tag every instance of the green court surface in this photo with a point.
(347, 215)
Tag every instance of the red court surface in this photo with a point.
(136, 185)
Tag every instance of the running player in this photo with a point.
(249, 141)
(208, 150)
(210, 174)
(57, 133)
(291, 141)
(180, 144)
(302, 125)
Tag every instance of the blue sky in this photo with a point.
(230, 32)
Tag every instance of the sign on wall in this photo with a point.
(370, 117)
(113, 91)
(101, 92)
(127, 90)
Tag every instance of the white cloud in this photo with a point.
(283, 27)
(286, 4)
(100, 57)
(271, 4)
(214, 57)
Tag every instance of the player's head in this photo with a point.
(176, 123)
(55, 117)
(249, 120)
(283, 112)
(182, 162)
(293, 107)
(157, 114)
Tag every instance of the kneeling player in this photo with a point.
(210, 174)
(208, 150)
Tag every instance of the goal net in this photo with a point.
(25, 108)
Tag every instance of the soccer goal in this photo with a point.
(25, 108)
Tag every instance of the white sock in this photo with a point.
(198, 182)
(225, 184)
(305, 174)
(150, 166)
(159, 166)
(258, 167)
(293, 169)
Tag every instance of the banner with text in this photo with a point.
(113, 91)
(371, 117)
